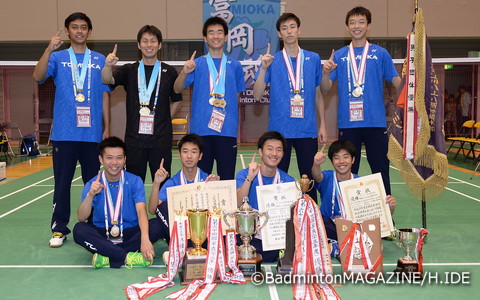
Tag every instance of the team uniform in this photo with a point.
(77, 128)
(370, 126)
(300, 132)
(272, 255)
(93, 235)
(151, 148)
(220, 146)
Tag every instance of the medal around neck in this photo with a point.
(80, 98)
(115, 231)
(144, 111)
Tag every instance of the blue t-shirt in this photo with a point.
(202, 110)
(379, 66)
(64, 108)
(175, 181)
(280, 95)
(133, 193)
(325, 187)
(252, 193)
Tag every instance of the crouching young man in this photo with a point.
(113, 223)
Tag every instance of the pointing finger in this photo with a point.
(332, 55)
(161, 164)
(98, 176)
(59, 32)
(254, 156)
(268, 49)
(323, 147)
(193, 55)
(114, 52)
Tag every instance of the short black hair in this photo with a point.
(112, 142)
(149, 29)
(191, 138)
(338, 145)
(285, 17)
(78, 16)
(214, 21)
(271, 135)
(359, 11)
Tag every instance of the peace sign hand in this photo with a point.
(56, 41)
(329, 65)
(267, 59)
(96, 186)
(161, 174)
(320, 157)
(189, 64)
(253, 168)
(112, 58)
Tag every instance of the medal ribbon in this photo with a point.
(276, 179)
(421, 238)
(183, 178)
(144, 92)
(177, 249)
(217, 79)
(109, 207)
(295, 79)
(337, 194)
(358, 73)
(79, 77)
(311, 242)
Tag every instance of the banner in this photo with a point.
(417, 140)
(251, 25)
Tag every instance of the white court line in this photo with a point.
(243, 161)
(271, 287)
(24, 188)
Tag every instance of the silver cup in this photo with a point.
(246, 220)
(407, 240)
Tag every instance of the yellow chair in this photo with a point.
(473, 142)
(180, 126)
(466, 129)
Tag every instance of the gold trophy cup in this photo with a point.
(197, 225)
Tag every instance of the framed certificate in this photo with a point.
(276, 200)
(364, 199)
(222, 194)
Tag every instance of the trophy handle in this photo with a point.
(225, 215)
(264, 214)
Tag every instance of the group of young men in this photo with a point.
(113, 222)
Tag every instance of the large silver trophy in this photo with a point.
(246, 224)
(407, 240)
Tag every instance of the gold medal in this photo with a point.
(144, 111)
(80, 98)
(297, 98)
(211, 100)
(115, 231)
(223, 103)
(357, 92)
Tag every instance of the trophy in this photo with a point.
(195, 261)
(407, 240)
(246, 220)
(285, 263)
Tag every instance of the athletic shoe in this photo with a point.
(57, 240)
(136, 259)
(100, 261)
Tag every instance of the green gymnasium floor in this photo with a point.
(29, 269)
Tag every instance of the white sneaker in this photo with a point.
(57, 240)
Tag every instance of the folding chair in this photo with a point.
(473, 142)
(4, 145)
(11, 126)
(465, 131)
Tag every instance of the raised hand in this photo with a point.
(161, 174)
(56, 41)
(96, 186)
(253, 168)
(212, 177)
(189, 64)
(112, 58)
(267, 59)
(329, 65)
(320, 157)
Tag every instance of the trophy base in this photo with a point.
(250, 266)
(192, 268)
(284, 267)
(408, 268)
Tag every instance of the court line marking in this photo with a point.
(272, 289)
(24, 188)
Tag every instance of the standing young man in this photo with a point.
(360, 69)
(217, 81)
(150, 103)
(294, 76)
(120, 225)
(271, 147)
(81, 100)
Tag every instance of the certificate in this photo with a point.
(204, 195)
(364, 199)
(276, 200)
